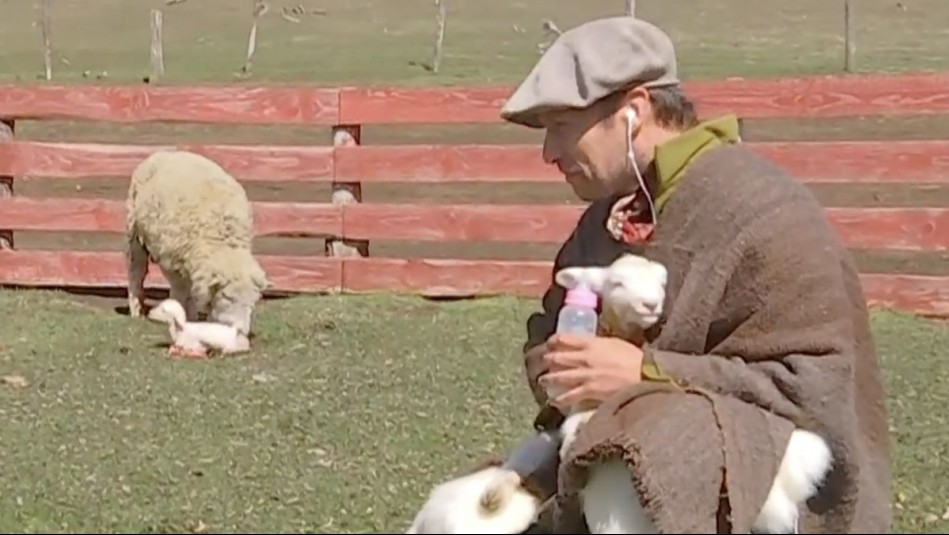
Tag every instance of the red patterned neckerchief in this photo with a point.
(630, 220)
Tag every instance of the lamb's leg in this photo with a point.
(136, 263)
(185, 347)
(180, 290)
(192, 310)
(806, 462)
(241, 345)
(611, 503)
(185, 353)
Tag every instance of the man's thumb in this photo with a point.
(569, 341)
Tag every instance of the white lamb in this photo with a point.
(196, 339)
(489, 500)
(195, 221)
(632, 291)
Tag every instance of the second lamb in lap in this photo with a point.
(195, 221)
(632, 292)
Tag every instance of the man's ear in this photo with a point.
(637, 99)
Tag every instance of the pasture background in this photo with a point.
(351, 407)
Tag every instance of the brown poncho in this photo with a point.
(767, 325)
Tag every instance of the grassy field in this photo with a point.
(343, 416)
(386, 41)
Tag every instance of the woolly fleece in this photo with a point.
(195, 221)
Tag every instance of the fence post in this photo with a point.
(631, 8)
(6, 182)
(258, 9)
(46, 31)
(346, 193)
(850, 39)
(157, 53)
(441, 19)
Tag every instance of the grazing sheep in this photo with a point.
(496, 499)
(194, 339)
(195, 221)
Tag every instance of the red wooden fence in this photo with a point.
(349, 164)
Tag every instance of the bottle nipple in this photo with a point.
(581, 295)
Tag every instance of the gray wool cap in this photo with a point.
(592, 61)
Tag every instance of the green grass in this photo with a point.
(387, 41)
(343, 416)
(346, 410)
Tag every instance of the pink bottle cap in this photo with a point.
(581, 296)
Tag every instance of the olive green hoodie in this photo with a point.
(674, 156)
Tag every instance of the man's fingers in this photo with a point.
(571, 397)
(567, 341)
(566, 359)
(535, 366)
(534, 357)
(567, 378)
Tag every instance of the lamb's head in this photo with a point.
(632, 289)
(168, 311)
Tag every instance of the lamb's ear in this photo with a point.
(571, 277)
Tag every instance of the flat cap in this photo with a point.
(592, 61)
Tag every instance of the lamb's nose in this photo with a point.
(651, 306)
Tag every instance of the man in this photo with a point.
(765, 327)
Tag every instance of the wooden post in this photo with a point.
(550, 28)
(6, 182)
(441, 19)
(631, 8)
(850, 41)
(157, 52)
(46, 29)
(346, 193)
(259, 7)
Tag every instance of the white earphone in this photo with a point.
(631, 117)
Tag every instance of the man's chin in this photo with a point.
(582, 188)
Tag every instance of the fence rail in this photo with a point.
(834, 161)
(805, 97)
(909, 229)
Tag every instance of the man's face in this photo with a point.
(589, 147)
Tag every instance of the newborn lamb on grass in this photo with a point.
(196, 340)
(195, 221)
(497, 500)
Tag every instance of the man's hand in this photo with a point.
(586, 367)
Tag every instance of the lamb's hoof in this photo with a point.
(182, 353)
(135, 308)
